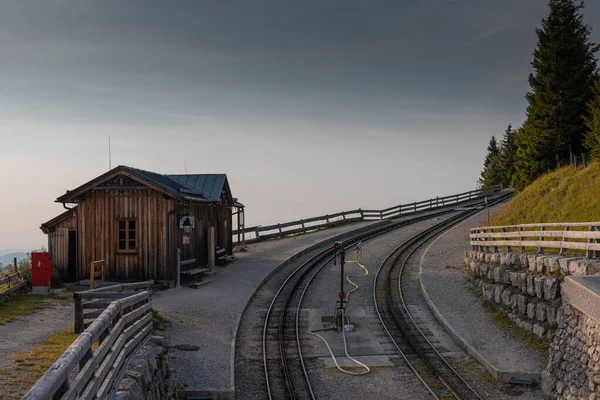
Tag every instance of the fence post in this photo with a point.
(583, 159)
(562, 250)
(521, 239)
(362, 214)
(508, 248)
(16, 265)
(589, 253)
(303, 227)
(78, 326)
(344, 215)
(279, 227)
(541, 249)
(256, 233)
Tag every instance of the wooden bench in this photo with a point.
(222, 257)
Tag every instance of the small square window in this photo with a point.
(127, 235)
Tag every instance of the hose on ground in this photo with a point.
(345, 311)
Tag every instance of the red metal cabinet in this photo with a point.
(41, 268)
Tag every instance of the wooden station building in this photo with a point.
(137, 221)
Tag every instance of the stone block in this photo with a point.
(552, 311)
(530, 285)
(531, 262)
(483, 268)
(531, 310)
(539, 264)
(594, 267)
(508, 298)
(523, 282)
(560, 318)
(498, 293)
(515, 279)
(540, 312)
(551, 286)
(524, 260)
(551, 264)
(505, 276)
(523, 324)
(488, 258)
(539, 330)
(538, 283)
(495, 258)
(579, 267)
(522, 301)
(497, 274)
(488, 291)
(490, 273)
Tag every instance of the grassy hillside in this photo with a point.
(564, 195)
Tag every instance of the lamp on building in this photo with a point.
(187, 225)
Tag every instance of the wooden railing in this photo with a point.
(90, 304)
(324, 221)
(91, 366)
(14, 282)
(97, 270)
(579, 237)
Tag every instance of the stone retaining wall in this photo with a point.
(527, 286)
(148, 375)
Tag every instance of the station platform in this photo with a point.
(448, 295)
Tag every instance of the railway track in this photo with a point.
(436, 374)
(285, 372)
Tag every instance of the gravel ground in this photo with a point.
(30, 329)
(443, 277)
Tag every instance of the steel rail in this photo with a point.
(413, 244)
(308, 266)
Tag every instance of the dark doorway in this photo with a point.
(72, 256)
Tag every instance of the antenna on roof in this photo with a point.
(109, 155)
(185, 166)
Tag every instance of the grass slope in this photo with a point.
(564, 195)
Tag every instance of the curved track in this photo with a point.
(431, 368)
(285, 373)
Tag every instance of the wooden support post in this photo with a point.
(562, 250)
(257, 234)
(521, 239)
(279, 227)
(540, 248)
(16, 265)
(343, 215)
(303, 227)
(78, 325)
(362, 214)
(211, 247)
(178, 273)
(589, 253)
(508, 248)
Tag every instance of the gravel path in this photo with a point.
(443, 278)
(27, 330)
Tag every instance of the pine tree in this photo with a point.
(492, 172)
(564, 67)
(508, 154)
(592, 138)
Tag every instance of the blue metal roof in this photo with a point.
(209, 185)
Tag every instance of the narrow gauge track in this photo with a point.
(431, 368)
(286, 375)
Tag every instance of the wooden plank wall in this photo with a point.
(58, 245)
(99, 214)
(101, 210)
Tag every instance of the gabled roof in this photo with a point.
(45, 227)
(196, 187)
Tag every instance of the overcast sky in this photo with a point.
(310, 106)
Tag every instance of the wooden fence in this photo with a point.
(14, 282)
(580, 237)
(324, 221)
(90, 304)
(90, 368)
